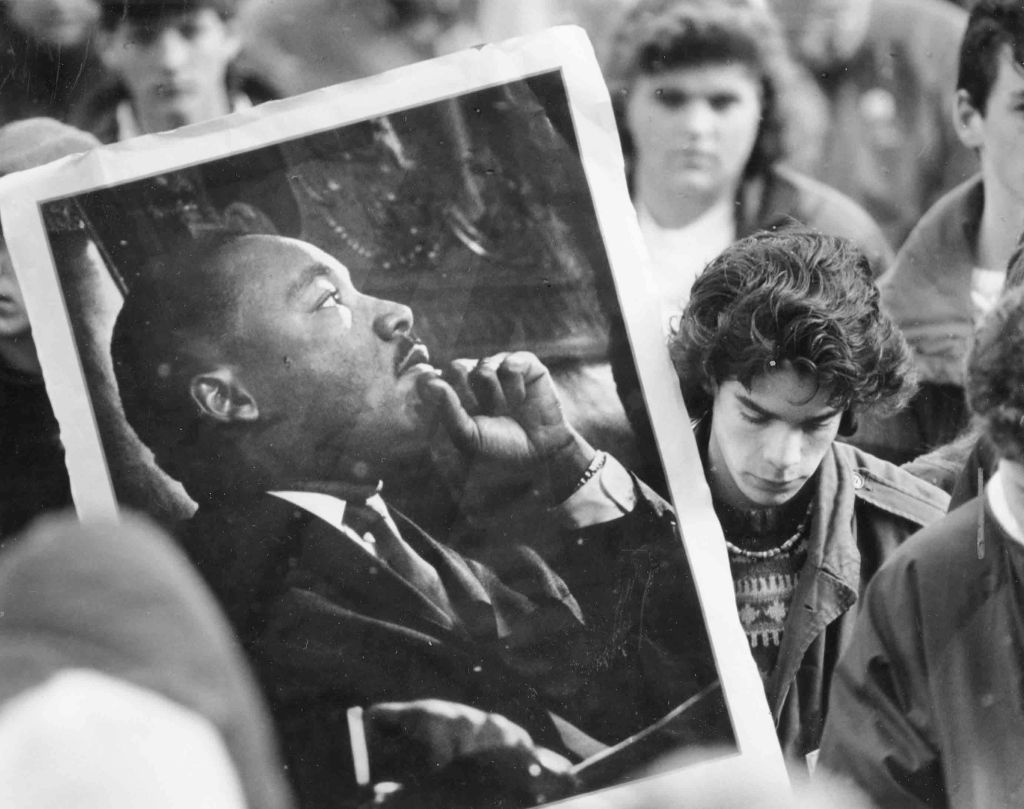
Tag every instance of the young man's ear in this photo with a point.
(220, 395)
(110, 45)
(232, 40)
(968, 121)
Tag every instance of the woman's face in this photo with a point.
(695, 127)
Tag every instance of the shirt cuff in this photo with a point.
(607, 496)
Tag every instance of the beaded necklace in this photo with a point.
(786, 546)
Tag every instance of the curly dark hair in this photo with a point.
(657, 36)
(794, 296)
(114, 12)
(995, 375)
(991, 25)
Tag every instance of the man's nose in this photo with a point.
(392, 319)
(785, 449)
(171, 49)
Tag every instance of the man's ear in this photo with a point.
(221, 396)
(232, 40)
(968, 121)
(109, 45)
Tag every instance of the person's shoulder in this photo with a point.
(96, 112)
(939, 564)
(817, 204)
(824, 208)
(884, 486)
(939, 239)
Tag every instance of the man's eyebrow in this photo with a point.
(306, 277)
(747, 402)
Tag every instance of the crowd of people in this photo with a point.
(831, 193)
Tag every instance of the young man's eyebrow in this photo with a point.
(749, 403)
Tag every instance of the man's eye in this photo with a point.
(753, 418)
(672, 99)
(722, 102)
(330, 300)
(189, 30)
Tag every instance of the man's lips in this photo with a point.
(416, 354)
(777, 485)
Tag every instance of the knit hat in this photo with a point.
(36, 141)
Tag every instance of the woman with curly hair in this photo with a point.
(928, 701)
(700, 90)
(781, 345)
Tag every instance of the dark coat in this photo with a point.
(327, 627)
(33, 478)
(927, 703)
(928, 290)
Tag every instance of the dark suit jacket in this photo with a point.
(607, 632)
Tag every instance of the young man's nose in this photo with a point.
(785, 449)
(171, 49)
(391, 319)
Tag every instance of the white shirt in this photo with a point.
(679, 255)
(606, 496)
(986, 287)
(998, 501)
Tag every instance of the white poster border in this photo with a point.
(566, 49)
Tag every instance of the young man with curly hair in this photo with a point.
(927, 707)
(781, 345)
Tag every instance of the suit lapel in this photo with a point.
(335, 564)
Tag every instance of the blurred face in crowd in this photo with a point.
(768, 440)
(13, 317)
(329, 374)
(174, 66)
(694, 128)
(58, 22)
(823, 33)
(997, 131)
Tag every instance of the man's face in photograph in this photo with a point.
(333, 373)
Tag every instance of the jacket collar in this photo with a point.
(830, 577)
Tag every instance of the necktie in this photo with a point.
(395, 552)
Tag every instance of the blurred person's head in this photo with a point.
(698, 88)
(990, 92)
(251, 361)
(823, 34)
(995, 375)
(119, 669)
(23, 145)
(782, 342)
(62, 23)
(172, 56)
